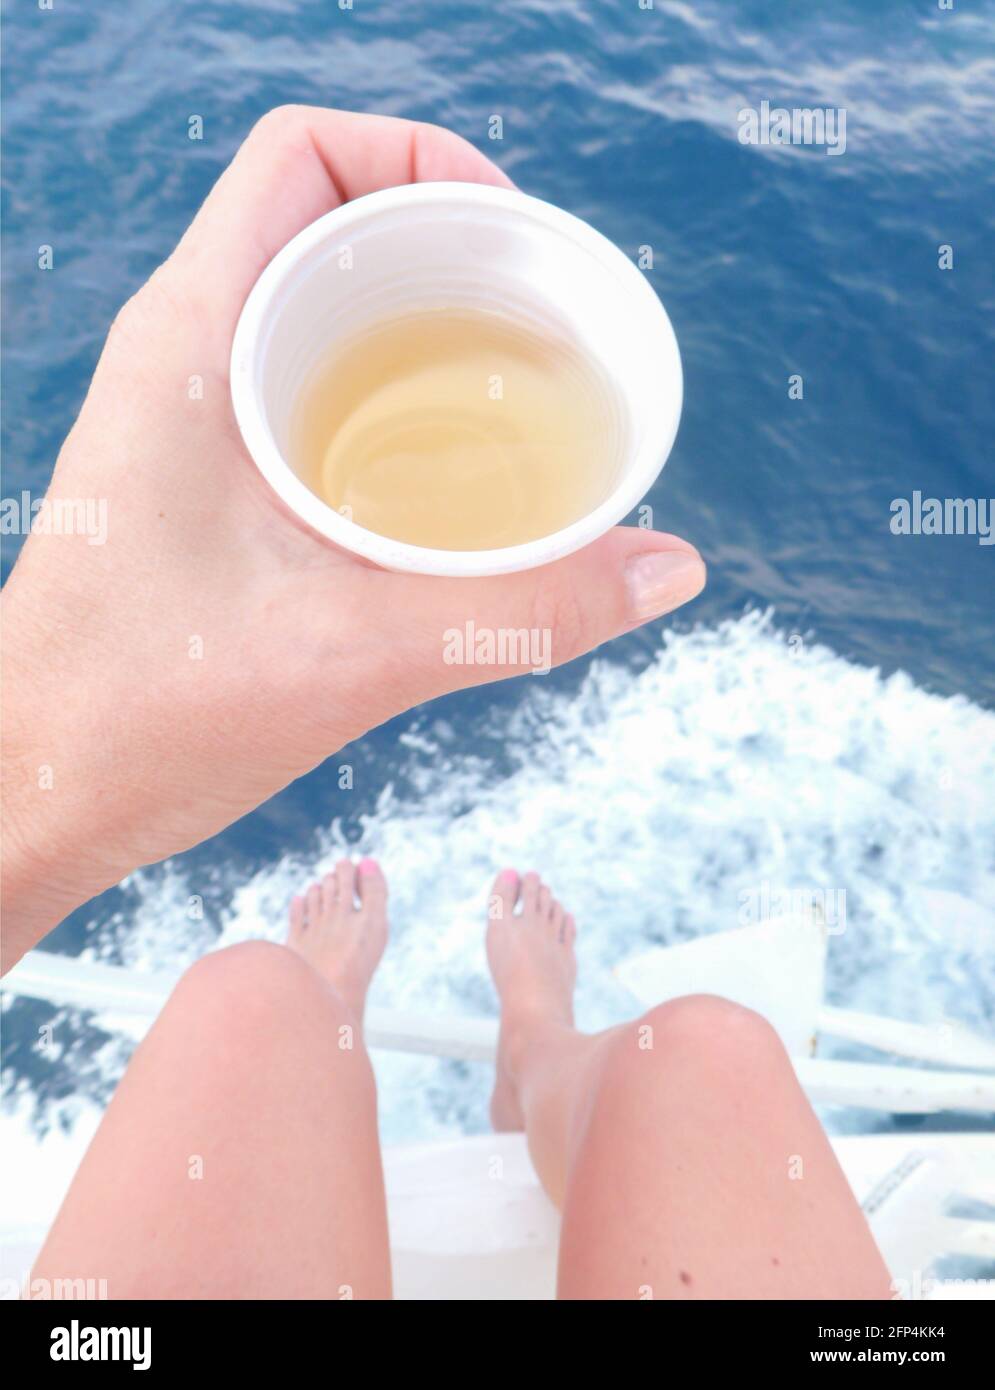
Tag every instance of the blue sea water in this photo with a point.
(822, 714)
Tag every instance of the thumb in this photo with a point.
(451, 633)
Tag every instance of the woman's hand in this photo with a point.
(162, 684)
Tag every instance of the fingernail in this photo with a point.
(661, 580)
(367, 866)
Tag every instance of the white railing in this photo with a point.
(114, 991)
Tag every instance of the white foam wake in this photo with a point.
(654, 803)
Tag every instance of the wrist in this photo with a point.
(36, 891)
(48, 830)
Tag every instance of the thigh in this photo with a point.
(239, 1157)
(701, 1171)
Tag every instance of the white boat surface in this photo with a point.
(468, 1218)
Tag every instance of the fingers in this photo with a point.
(445, 634)
(297, 163)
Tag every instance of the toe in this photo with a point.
(371, 884)
(556, 917)
(569, 930)
(544, 902)
(504, 895)
(345, 873)
(329, 893)
(530, 892)
(312, 916)
(296, 916)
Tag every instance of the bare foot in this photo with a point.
(531, 956)
(341, 938)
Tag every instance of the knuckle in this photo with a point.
(558, 609)
(130, 326)
(277, 124)
(128, 318)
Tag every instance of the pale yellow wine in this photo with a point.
(458, 430)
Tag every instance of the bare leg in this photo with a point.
(239, 1157)
(686, 1158)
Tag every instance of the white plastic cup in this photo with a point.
(456, 246)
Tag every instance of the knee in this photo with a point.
(697, 1033)
(255, 987)
(253, 969)
(256, 1017)
(711, 1026)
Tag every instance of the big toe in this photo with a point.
(504, 895)
(371, 885)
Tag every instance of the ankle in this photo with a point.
(530, 1036)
